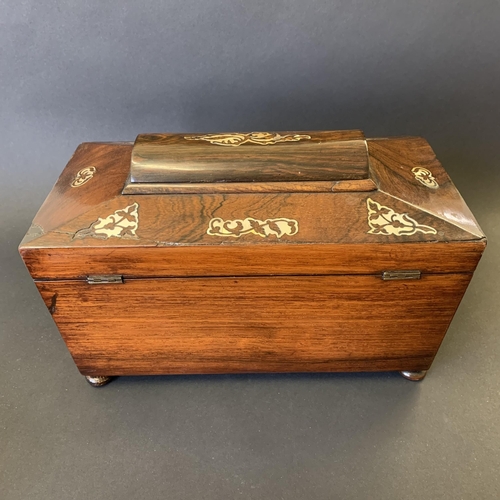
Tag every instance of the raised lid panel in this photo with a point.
(256, 157)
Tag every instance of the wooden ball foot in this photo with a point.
(98, 381)
(414, 376)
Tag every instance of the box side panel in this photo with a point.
(273, 324)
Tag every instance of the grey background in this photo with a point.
(77, 71)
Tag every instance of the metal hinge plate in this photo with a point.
(401, 275)
(99, 279)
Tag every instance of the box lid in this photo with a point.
(252, 204)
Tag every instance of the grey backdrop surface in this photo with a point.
(77, 71)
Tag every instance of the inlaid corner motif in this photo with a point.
(238, 227)
(385, 221)
(425, 177)
(121, 224)
(261, 138)
(83, 176)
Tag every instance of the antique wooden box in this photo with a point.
(253, 252)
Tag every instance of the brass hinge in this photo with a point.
(99, 279)
(401, 275)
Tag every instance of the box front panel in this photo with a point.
(254, 324)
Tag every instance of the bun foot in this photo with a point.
(414, 376)
(98, 381)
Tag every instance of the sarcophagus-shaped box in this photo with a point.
(253, 252)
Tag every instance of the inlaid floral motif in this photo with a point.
(121, 224)
(261, 138)
(239, 227)
(425, 177)
(83, 176)
(385, 221)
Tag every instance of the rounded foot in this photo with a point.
(98, 381)
(414, 376)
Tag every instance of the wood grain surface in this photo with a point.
(250, 187)
(336, 217)
(281, 324)
(177, 158)
(64, 202)
(392, 162)
(259, 276)
(222, 260)
(322, 217)
(172, 239)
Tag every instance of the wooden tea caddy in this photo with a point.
(253, 252)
